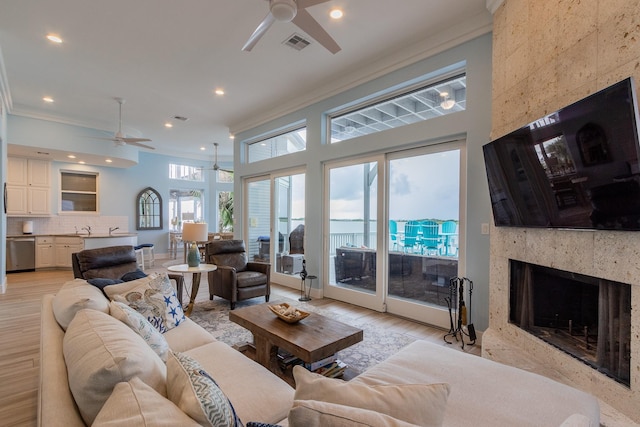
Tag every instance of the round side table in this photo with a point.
(195, 281)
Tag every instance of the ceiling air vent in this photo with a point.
(297, 42)
(181, 118)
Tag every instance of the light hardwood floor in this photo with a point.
(20, 336)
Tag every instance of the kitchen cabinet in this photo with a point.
(28, 187)
(64, 247)
(45, 252)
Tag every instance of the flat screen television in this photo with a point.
(575, 168)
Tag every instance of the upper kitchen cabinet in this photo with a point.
(78, 192)
(28, 187)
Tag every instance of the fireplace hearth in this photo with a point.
(584, 316)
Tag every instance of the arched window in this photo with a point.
(149, 210)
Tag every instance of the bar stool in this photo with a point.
(139, 258)
(148, 256)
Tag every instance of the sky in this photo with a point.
(424, 186)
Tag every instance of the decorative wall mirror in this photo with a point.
(149, 210)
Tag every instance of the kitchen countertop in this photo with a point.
(84, 236)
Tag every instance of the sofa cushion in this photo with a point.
(99, 352)
(257, 393)
(74, 296)
(312, 413)
(421, 404)
(189, 335)
(194, 391)
(134, 403)
(140, 325)
(577, 420)
(155, 299)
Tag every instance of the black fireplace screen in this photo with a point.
(587, 317)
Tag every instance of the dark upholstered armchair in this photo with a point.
(111, 263)
(236, 278)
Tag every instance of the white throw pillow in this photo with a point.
(312, 413)
(99, 352)
(153, 297)
(197, 394)
(74, 296)
(421, 404)
(134, 403)
(140, 325)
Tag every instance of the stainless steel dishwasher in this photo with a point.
(21, 253)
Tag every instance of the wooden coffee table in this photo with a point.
(311, 339)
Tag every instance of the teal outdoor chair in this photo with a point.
(393, 234)
(449, 231)
(430, 241)
(410, 240)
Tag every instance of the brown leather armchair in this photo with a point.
(111, 263)
(236, 278)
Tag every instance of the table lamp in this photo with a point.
(194, 232)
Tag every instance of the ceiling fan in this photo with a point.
(215, 163)
(119, 137)
(295, 11)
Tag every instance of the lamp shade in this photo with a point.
(195, 232)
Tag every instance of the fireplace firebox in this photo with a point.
(584, 316)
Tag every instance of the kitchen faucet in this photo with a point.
(88, 228)
(111, 230)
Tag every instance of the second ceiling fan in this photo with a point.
(293, 11)
(216, 167)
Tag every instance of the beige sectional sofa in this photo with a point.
(453, 388)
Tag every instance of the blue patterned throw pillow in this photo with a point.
(197, 394)
(157, 301)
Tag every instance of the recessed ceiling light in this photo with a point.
(54, 38)
(202, 148)
(232, 137)
(47, 99)
(219, 91)
(71, 156)
(336, 13)
(81, 162)
(168, 125)
(108, 160)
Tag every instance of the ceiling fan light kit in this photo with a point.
(296, 12)
(283, 10)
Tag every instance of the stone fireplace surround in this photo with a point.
(607, 254)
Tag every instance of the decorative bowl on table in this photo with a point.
(288, 313)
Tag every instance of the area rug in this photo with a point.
(378, 343)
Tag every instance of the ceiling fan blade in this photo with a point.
(133, 140)
(259, 32)
(303, 4)
(309, 25)
(137, 144)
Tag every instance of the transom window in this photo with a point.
(185, 172)
(281, 144)
(427, 102)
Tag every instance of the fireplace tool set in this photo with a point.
(458, 314)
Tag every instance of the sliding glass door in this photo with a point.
(393, 222)
(275, 216)
(352, 221)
